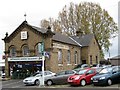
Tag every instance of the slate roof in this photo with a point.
(84, 40)
(63, 38)
(41, 30)
(79, 41)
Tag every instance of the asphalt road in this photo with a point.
(18, 84)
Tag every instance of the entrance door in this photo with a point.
(83, 61)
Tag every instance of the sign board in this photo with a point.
(60, 46)
(26, 59)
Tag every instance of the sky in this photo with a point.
(12, 15)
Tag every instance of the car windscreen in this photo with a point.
(36, 73)
(106, 70)
(81, 72)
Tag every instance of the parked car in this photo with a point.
(107, 76)
(82, 77)
(3, 75)
(82, 66)
(60, 77)
(35, 78)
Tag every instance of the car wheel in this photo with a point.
(109, 82)
(82, 82)
(49, 82)
(37, 82)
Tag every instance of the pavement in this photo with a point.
(4, 79)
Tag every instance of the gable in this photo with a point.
(26, 27)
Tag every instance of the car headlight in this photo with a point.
(102, 78)
(91, 78)
(76, 78)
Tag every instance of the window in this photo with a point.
(90, 72)
(13, 52)
(25, 51)
(68, 57)
(60, 56)
(69, 72)
(39, 48)
(91, 59)
(76, 57)
(96, 60)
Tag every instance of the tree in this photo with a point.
(87, 18)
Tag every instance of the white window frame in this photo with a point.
(60, 57)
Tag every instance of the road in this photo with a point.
(18, 84)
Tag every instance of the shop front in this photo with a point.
(22, 67)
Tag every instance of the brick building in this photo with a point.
(62, 52)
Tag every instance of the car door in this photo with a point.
(58, 78)
(89, 74)
(67, 74)
(115, 74)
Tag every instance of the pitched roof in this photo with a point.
(63, 38)
(23, 24)
(115, 58)
(41, 30)
(84, 40)
(79, 41)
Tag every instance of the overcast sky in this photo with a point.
(12, 15)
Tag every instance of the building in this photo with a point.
(25, 46)
(115, 60)
(90, 49)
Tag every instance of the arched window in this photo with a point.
(25, 51)
(13, 51)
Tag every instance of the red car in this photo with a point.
(82, 77)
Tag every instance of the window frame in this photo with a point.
(60, 54)
(25, 50)
(68, 57)
(13, 52)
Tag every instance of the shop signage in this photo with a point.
(60, 46)
(25, 59)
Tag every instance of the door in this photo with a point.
(67, 74)
(58, 78)
(115, 74)
(89, 74)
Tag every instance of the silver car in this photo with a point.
(35, 78)
(59, 78)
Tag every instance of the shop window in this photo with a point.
(68, 57)
(26, 51)
(12, 52)
(60, 56)
(75, 57)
